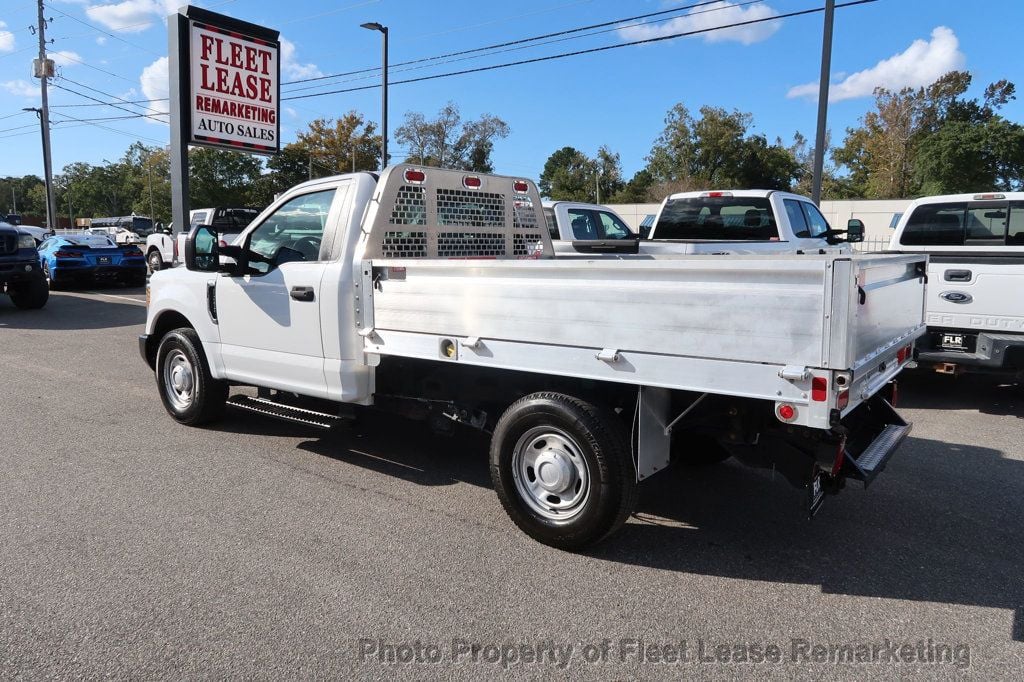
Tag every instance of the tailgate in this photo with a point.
(976, 292)
(878, 305)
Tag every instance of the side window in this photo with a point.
(549, 218)
(1015, 226)
(815, 221)
(612, 227)
(935, 225)
(986, 225)
(293, 232)
(797, 220)
(583, 224)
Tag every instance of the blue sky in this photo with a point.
(617, 97)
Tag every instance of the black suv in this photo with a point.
(20, 275)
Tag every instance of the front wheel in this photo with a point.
(155, 260)
(189, 392)
(30, 295)
(563, 470)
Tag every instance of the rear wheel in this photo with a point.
(30, 295)
(563, 470)
(189, 392)
(51, 282)
(155, 260)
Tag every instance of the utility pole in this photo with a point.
(44, 71)
(14, 201)
(826, 73)
(150, 164)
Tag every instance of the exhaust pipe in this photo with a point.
(946, 368)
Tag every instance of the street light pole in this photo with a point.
(374, 26)
(826, 72)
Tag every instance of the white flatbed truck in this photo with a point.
(437, 293)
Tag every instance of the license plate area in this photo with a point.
(104, 260)
(816, 492)
(954, 341)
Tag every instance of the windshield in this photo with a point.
(717, 219)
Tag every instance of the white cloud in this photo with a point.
(6, 38)
(712, 16)
(155, 85)
(919, 65)
(101, 40)
(131, 16)
(65, 57)
(20, 88)
(291, 67)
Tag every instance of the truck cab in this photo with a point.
(21, 276)
(975, 311)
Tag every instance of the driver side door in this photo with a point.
(270, 317)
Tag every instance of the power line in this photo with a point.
(524, 47)
(106, 33)
(514, 42)
(112, 130)
(577, 53)
(105, 104)
(154, 113)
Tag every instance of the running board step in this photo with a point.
(297, 415)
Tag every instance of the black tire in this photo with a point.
(155, 260)
(595, 437)
(51, 283)
(30, 295)
(201, 398)
(697, 450)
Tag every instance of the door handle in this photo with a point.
(302, 293)
(958, 275)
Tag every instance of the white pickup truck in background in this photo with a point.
(745, 222)
(438, 294)
(164, 247)
(975, 308)
(711, 222)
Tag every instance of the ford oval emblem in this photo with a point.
(956, 297)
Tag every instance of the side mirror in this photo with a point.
(854, 231)
(201, 249)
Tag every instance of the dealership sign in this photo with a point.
(234, 85)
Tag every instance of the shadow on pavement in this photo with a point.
(942, 525)
(387, 444)
(985, 393)
(66, 311)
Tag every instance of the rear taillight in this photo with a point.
(66, 254)
(221, 243)
(785, 412)
(819, 389)
(415, 176)
(843, 400)
(904, 354)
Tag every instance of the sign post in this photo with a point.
(225, 92)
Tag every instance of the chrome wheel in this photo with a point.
(550, 473)
(179, 380)
(46, 274)
(155, 261)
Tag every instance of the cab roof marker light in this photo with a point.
(520, 187)
(415, 176)
(472, 182)
(987, 197)
(716, 195)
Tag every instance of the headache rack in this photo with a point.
(421, 212)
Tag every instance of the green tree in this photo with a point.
(637, 191)
(568, 175)
(449, 142)
(219, 177)
(716, 150)
(343, 145)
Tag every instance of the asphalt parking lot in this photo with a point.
(134, 547)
